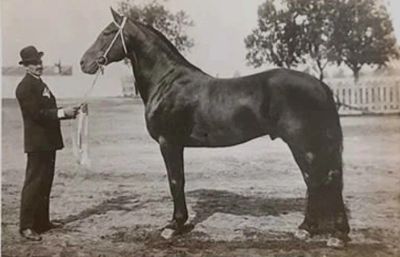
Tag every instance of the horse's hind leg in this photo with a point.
(173, 158)
(319, 160)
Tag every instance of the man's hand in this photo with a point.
(71, 111)
(84, 108)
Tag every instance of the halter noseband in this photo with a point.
(120, 32)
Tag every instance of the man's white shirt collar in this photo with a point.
(35, 76)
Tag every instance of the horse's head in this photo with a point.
(110, 46)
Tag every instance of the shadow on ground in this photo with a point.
(213, 201)
(114, 204)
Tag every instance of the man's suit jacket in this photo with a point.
(40, 115)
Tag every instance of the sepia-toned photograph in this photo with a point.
(213, 128)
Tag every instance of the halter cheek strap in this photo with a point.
(119, 33)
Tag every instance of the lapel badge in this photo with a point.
(46, 92)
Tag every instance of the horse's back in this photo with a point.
(293, 87)
(283, 91)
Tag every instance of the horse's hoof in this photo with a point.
(302, 234)
(172, 225)
(335, 242)
(167, 233)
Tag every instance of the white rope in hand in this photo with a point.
(80, 139)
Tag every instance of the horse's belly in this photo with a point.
(226, 133)
(228, 125)
(221, 139)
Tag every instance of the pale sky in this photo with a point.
(64, 29)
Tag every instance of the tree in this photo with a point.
(172, 25)
(277, 38)
(315, 18)
(353, 32)
(297, 32)
(363, 34)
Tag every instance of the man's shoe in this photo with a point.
(30, 235)
(48, 226)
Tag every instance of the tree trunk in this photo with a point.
(321, 71)
(356, 73)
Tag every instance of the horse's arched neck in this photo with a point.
(148, 73)
(151, 60)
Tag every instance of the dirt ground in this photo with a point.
(245, 200)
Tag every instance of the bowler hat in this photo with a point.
(30, 54)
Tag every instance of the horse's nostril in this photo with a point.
(82, 62)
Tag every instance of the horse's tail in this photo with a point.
(334, 138)
(334, 128)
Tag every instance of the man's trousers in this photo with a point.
(35, 198)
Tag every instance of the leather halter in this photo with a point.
(119, 33)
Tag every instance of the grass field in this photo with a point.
(245, 200)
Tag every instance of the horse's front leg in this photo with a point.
(173, 158)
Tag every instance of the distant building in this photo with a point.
(236, 74)
(128, 86)
(56, 70)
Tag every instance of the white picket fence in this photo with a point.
(367, 96)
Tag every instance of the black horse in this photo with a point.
(185, 107)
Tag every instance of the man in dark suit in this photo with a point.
(42, 138)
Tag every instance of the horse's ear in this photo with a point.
(117, 17)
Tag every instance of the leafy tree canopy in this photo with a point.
(353, 32)
(363, 34)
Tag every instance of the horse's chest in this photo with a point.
(168, 120)
(152, 123)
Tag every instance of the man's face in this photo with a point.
(35, 68)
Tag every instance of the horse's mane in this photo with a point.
(182, 60)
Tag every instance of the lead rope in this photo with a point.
(80, 144)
